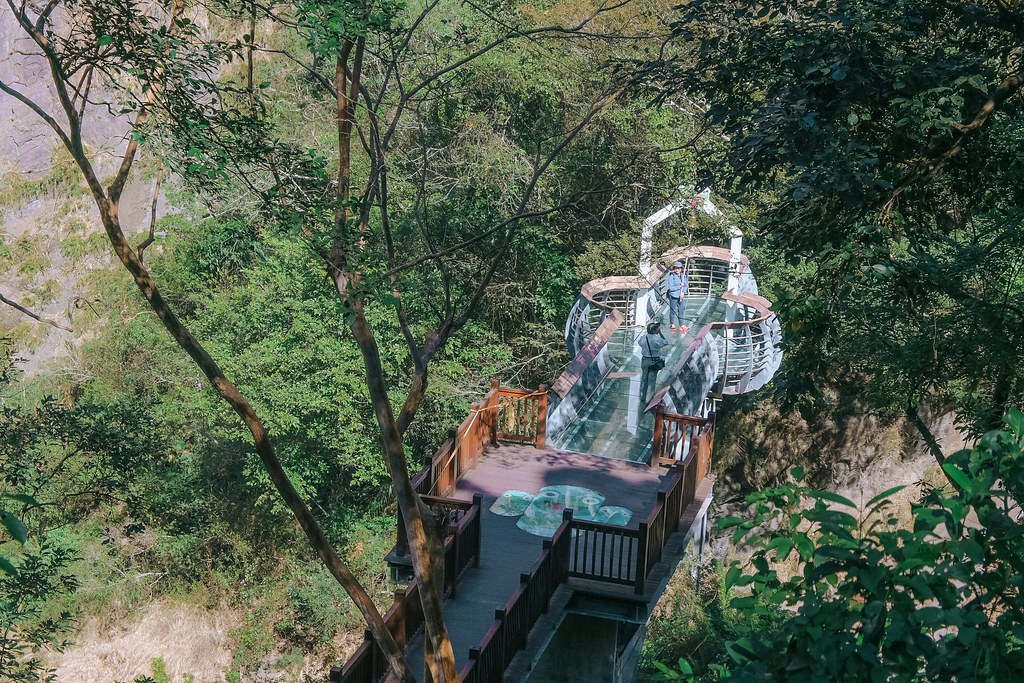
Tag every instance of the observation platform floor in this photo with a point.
(506, 550)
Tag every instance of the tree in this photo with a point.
(346, 267)
(871, 599)
(106, 42)
(878, 140)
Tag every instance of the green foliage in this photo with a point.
(845, 123)
(873, 601)
(81, 457)
(77, 247)
(693, 623)
(31, 620)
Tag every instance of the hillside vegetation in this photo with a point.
(333, 224)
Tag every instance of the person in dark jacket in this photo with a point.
(678, 288)
(652, 346)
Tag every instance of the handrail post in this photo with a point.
(659, 429)
(662, 499)
(478, 501)
(491, 416)
(499, 615)
(453, 437)
(563, 569)
(641, 558)
(456, 543)
(542, 417)
(402, 635)
(474, 658)
(428, 464)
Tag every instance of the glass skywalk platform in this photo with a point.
(613, 422)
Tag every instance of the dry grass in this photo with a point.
(188, 639)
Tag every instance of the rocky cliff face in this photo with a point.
(26, 143)
(51, 243)
(50, 239)
(851, 450)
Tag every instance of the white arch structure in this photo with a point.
(702, 201)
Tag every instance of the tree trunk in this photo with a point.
(425, 548)
(424, 545)
(227, 391)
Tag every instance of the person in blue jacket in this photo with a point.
(678, 288)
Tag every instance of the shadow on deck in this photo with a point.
(508, 552)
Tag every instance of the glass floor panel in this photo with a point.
(613, 422)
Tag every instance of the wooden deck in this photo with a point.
(507, 551)
(492, 607)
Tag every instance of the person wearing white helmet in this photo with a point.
(678, 288)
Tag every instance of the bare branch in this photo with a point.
(152, 213)
(39, 111)
(49, 321)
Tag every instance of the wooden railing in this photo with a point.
(522, 415)
(462, 540)
(512, 623)
(368, 663)
(604, 552)
(460, 520)
(461, 549)
(674, 435)
(504, 414)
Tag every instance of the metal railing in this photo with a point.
(705, 277)
(707, 270)
(749, 347)
(596, 302)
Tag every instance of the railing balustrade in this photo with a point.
(504, 414)
(673, 436)
(603, 552)
(512, 623)
(368, 664)
(522, 416)
(748, 348)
